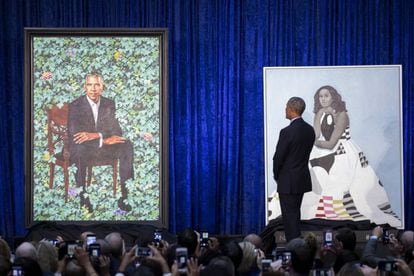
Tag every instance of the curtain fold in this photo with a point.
(217, 51)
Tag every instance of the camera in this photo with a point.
(143, 252)
(322, 272)
(385, 237)
(94, 250)
(266, 265)
(286, 257)
(53, 242)
(157, 237)
(278, 253)
(204, 239)
(17, 270)
(387, 266)
(90, 239)
(70, 249)
(328, 238)
(181, 255)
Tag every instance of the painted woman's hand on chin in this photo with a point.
(329, 110)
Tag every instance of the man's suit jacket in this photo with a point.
(80, 119)
(290, 162)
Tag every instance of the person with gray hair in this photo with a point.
(255, 239)
(290, 165)
(117, 248)
(26, 249)
(302, 257)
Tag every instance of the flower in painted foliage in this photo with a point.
(46, 75)
(117, 55)
(148, 136)
(71, 52)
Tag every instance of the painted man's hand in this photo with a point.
(114, 140)
(81, 137)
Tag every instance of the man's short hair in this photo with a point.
(297, 105)
(302, 257)
(116, 243)
(347, 237)
(96, 75)
(26, 249)
(188, 238)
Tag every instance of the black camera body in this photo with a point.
(266, 265)
(277, 253)
(385, 237)
(387, 266)
(322, 272)
(143, 252)
(157, 237)
(204, 239)
(90, 239)
(286, 257)
(94, 249)
(328, 238)
(181, 255)
(17, 270)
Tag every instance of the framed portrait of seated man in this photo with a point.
(96, 125)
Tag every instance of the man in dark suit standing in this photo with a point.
(290, 166)
(94, 133)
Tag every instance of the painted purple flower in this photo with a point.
(120, 212)
(71, 52)
(73, 192)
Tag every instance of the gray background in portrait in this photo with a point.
(373, 100)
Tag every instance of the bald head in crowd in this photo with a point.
(26, 249)
(255, 240)
(116, 243)
(407, 239)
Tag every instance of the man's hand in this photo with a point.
(127, 258)
(114, 140)
(377, 231)
(81, 137)
(156, 255)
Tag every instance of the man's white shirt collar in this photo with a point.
(95, 108)
(295, 119)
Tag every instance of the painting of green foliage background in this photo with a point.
(131, 70)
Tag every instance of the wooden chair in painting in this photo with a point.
(57, 137)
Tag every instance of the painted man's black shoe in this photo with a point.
(124, 206)
(84, 201)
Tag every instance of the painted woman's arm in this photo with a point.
(317, 124)
(341, 122)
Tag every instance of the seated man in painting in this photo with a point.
(95, 134)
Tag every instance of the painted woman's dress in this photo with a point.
(344, 184)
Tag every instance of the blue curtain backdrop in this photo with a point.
(217, 49)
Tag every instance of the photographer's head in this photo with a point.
(232, 250)
(26, 249)
(256, 240)
(302, 257)
(249, 257)
(407, 239)
(346, 239)
(116, 244)
(188, 238)
(73, 268)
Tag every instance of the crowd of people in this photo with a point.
(196, 254)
